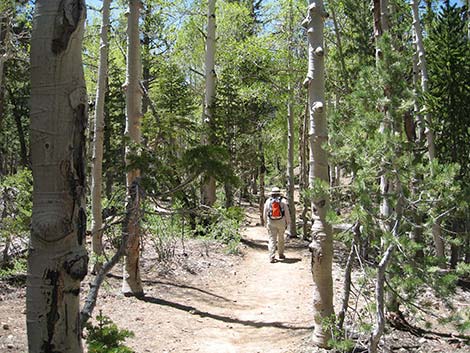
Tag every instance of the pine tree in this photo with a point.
(447, 100)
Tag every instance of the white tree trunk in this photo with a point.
(57, 257)
(420, 125)
(209, 186)
(97, 160)
(262, 173)
(322, 237)
(290, 163)
(132, 283)
(290, 130)
(436, 227)
(424, 73)
(303, 151)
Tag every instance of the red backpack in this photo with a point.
(276, 209)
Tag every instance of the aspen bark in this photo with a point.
(290, 165)
(290, 132)
(132, 283)
(98, 137)
(262, 173)
(57, 259)
(419, 122)
(208, 190)
(321, 246)
(303, 150)
(424, 74)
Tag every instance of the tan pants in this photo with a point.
(276, 229)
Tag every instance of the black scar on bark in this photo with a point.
(80, 117)
(66, 22)
(79, 166)
(77, 266)
(52, 314)
(81, 226)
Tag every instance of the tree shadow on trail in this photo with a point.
(184, 286)
(193, 311)
(294, 243)
(290, 260)
(255, 244)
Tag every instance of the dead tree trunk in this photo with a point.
(132, 283)
(98, 137)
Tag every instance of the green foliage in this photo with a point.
(18, 267)
(320, 190)
(210, 160)
(338, 341)
(16, 204)
(15, 88)
(224, 226)
(448, 49)
(164, 231)
(106, 337)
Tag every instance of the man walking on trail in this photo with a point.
(276, 216)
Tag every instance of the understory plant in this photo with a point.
(106, 337)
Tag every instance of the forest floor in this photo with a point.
(205, 300)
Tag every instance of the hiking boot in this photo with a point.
(282, 257)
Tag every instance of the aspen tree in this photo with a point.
(421, 55)
(208, 190)
(262, 174)
(132, 283)
(303, 152)
(321, 246)
(290, 128)
(57, 260)
(97, 160)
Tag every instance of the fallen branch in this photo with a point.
(398, 321)
(92, 296)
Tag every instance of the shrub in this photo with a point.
(106, 337)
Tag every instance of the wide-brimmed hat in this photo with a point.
(275, 191)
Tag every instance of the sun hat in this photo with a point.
(275, 191)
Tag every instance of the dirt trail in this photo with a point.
(254, 306)
(211, 302)
(216, 303)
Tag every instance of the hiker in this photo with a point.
(276, 217)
